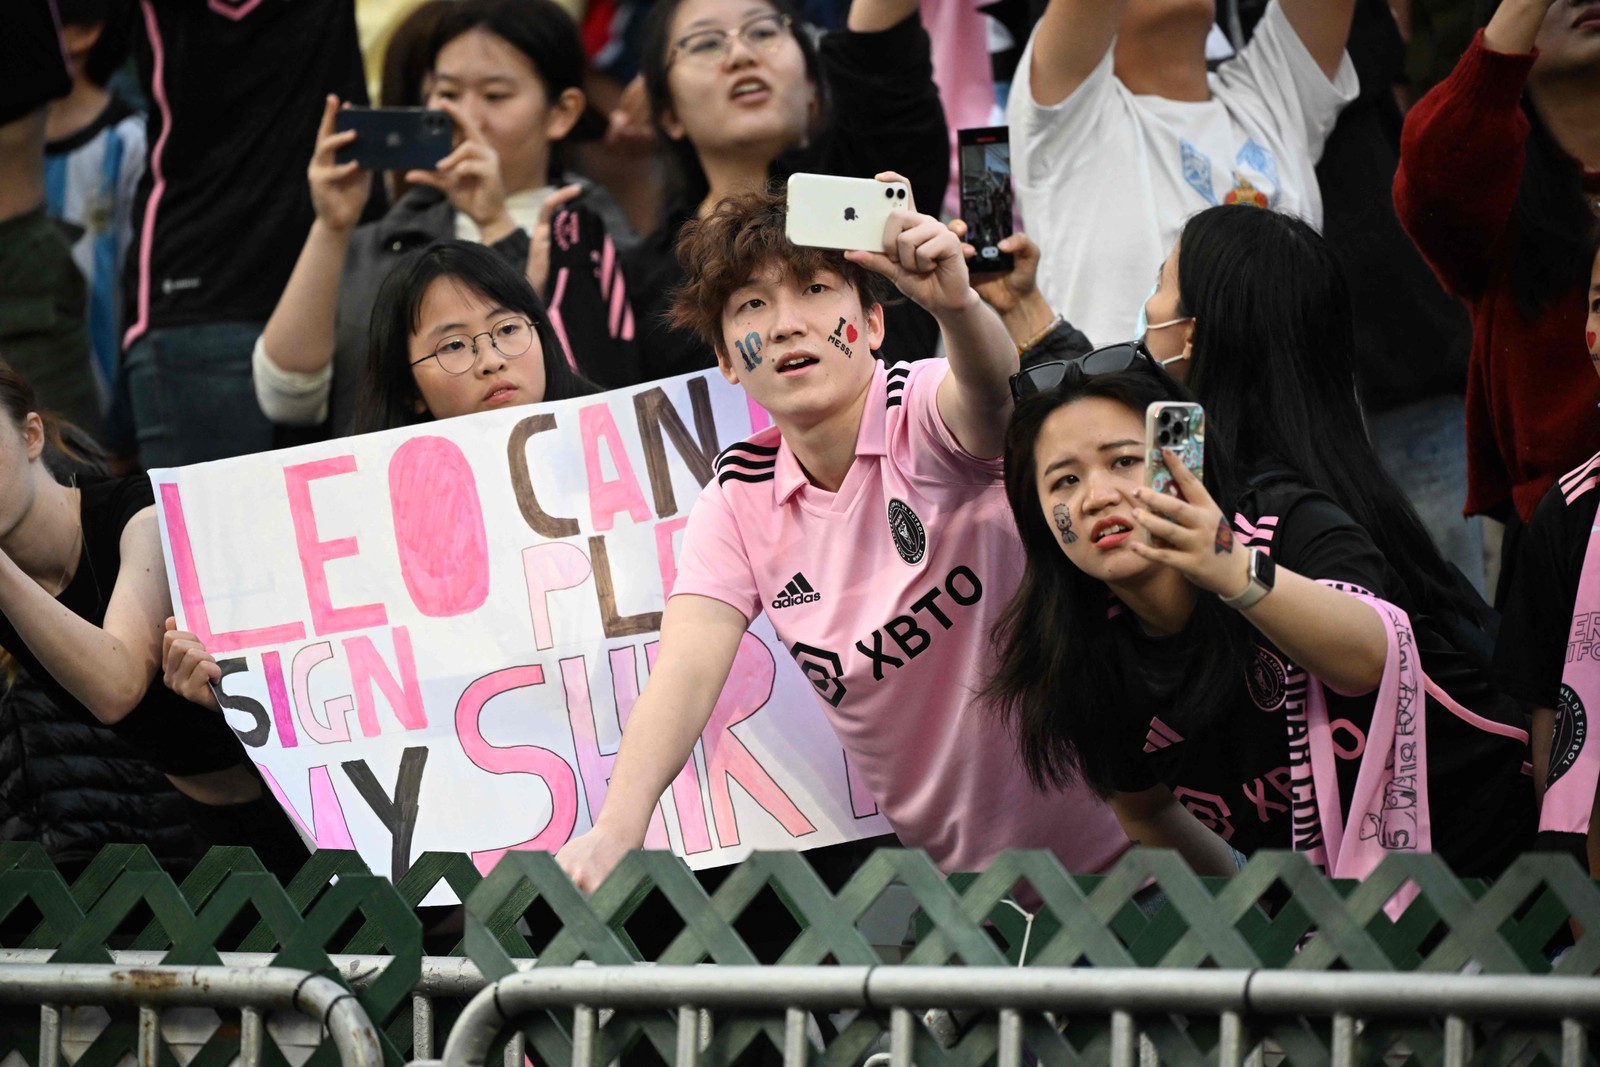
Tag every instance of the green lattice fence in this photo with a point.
(1278, 912)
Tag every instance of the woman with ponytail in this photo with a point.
(83, 596)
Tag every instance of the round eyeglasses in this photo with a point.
(458, 352)
(760, 34)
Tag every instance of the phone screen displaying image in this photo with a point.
(986, 197)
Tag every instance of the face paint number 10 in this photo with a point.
(750, 350)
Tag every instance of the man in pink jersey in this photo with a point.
(870, 524)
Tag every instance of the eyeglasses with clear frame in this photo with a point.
(458, 353)
(760, 34)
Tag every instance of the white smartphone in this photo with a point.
(826, 211)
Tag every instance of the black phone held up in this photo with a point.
(395, 138)
(986, 198)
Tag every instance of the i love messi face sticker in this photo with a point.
(844, 335)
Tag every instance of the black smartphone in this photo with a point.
(986, 198)
(395, 138)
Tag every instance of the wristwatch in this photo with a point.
(1262, 573)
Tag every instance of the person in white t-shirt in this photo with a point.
(1119, 134)
(869, 525)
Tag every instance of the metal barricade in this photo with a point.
(1123, 995)
(443, 978)
(252, 990)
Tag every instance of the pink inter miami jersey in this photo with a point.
(885, 593)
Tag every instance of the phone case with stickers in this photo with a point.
(826, 211)
(1169, 426)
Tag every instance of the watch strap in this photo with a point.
(1262, 571)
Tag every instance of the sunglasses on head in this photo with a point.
(1112, 359)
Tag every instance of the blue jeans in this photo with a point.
(193, 399)
(1423, 446)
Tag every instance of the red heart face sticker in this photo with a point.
(850, 335)
(1592, 338)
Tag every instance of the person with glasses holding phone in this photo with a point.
(743, 92)
(877, 488)
(1229, 659)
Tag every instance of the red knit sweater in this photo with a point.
(1531, 389)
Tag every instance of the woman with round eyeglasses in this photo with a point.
(744, 93)
(457, 329)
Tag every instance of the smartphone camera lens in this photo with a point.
(888, 194)
(901, 193)
(434, 122)
(1163, 437)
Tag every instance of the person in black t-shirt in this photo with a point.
(744, 96)
(1198, 685)
(1550, 627)
(83, 594)
(235, 87)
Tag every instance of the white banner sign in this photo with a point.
(431, 637)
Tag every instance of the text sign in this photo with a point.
(432, 637)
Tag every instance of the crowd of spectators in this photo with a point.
(1363, 234)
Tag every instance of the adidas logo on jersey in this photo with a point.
(798, 591)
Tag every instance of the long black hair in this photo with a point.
(1273, 364)
(1057, 683)
(655, 54)
(1550, 217)
(389, 395)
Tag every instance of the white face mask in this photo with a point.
(1142, 326)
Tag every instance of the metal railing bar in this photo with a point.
(421, 1027)
(1457, 1042)
(1124, 1040)
(901, 1037)
(49, 1035)
(1230, 1040)
(1344, 1040)
(1010, 1036)
(442, 976)
(149, 1035)
(583, 1034)
(250, 1034)
(795, 1045)
(688, 1054)
(1574, 1043)
(278, 988)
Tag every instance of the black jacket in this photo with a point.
(75, 787)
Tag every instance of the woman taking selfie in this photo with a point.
(508, 73)
(1253, 663)
(743, 95)
(83, 591)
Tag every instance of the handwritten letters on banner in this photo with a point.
(431, 637)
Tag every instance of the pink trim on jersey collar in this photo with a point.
(872, 439)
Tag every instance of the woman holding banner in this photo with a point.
(83, 593)
(457, 329)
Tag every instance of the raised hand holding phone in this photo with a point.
(1195, 537)
(339, 189)
(920, 256)
(470, 177)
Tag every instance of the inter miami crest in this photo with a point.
(1572, 728)
(910, 539)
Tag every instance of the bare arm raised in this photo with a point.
(1323, 27)
(924, 260)
(699, 639)
(1072, 37)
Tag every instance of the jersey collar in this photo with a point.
(871, 438)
